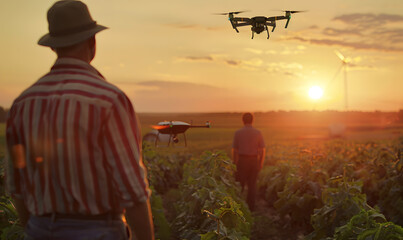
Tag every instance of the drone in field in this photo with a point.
(173, 128)
(258, 23)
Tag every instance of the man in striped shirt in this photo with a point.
(74, 144)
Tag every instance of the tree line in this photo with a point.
(3, 115)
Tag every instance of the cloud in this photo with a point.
(193, 27)
(365, 20)
(196, 58)
(287, 50)
(359, 31)
(233, 62)
(255, 51)
(175, 96)
(353, 44)
(338, 32)
(290, 69)
(253, 64)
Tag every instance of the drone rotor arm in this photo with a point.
(274, 18)
(241, 19)
(242, 24)
(201, 126)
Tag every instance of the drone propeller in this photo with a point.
(288, 11)
(228, 13)
(288, 14)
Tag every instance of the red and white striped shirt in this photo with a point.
(74, 144)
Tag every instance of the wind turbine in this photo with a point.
(345, 61)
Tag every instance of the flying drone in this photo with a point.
(173, 128)
(258, 23)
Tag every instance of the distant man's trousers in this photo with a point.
(247, 171)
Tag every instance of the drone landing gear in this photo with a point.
(268, 34)
(252, 34)
(172, 138)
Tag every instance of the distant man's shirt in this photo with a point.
(248, 140)
(74, 144)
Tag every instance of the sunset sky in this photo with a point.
(177, 56)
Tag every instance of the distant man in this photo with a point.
(74, 144)
(248, 153)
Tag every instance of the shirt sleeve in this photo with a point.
(124, 155)
(12, 176)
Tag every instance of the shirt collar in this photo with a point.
(74, 63)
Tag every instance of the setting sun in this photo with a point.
(315, 92)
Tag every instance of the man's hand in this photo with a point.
(235, 155)
(22, 211)
(140, 221)
(262, 155)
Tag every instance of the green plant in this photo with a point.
(10, 226)
(209, 187)
(164, 171)
(391, 193)
(272, 180)
(162, 227)
(299, 199)
(341, 203)
(371, 225)
(227, 218)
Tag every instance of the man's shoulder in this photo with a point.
(88, 86)
(248, 130)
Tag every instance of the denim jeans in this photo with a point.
(247, 171)
(44, 228)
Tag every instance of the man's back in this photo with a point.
(81, 139)
(248, 140)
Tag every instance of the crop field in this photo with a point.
(312, 186)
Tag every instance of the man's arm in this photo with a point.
(262, 154)
(17, 160)
(123, 147)
(22, 211)
(235, 155)
(140, 221)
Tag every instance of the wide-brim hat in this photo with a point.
(70, 22)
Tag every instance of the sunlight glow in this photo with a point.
(315, 92)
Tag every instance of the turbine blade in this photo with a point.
(334, 77)
(340, 55)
